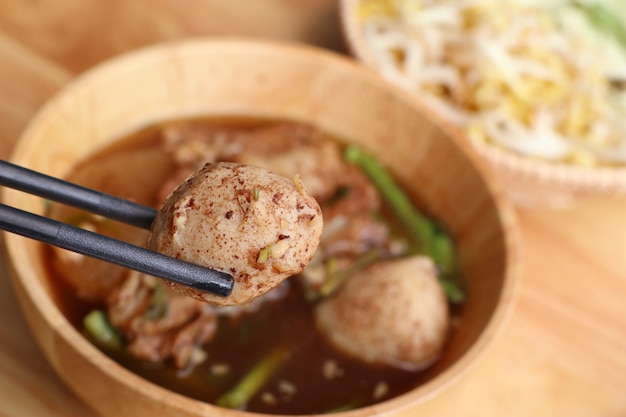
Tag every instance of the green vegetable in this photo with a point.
(426, 236)
(453, 291)
(449, 277)
(238, 396)
(264, 254)
(336, 277)
(603, 19)
(158, 304)
(100, 329)
(418, 226)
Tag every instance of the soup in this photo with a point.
(273, 355)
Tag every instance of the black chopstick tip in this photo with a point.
(217, 282)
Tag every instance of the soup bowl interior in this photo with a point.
(274, 81)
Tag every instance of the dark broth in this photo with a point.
(240, 342)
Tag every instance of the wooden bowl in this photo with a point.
(526, 181)
(244, 78)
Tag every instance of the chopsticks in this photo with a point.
(93, 244)
(74, 195)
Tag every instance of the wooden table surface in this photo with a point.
(563, 351)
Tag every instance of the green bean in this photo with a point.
(100, 329)
(418, 226)
(238, 396)
(426, 236)
(449, 276)
(445, 253)
(453, 290)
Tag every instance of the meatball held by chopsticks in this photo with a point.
(254, 224)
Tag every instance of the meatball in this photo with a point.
(247, 221)
(393, 312)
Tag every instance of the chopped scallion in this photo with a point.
(426, 236)
(253, 381)
(100, 329)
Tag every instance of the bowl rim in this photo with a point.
(61, 327)
(569, 178)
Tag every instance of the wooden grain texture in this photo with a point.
(76, 34)
(26, 81)
(562, 352)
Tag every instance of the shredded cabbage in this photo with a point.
(535, 77)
